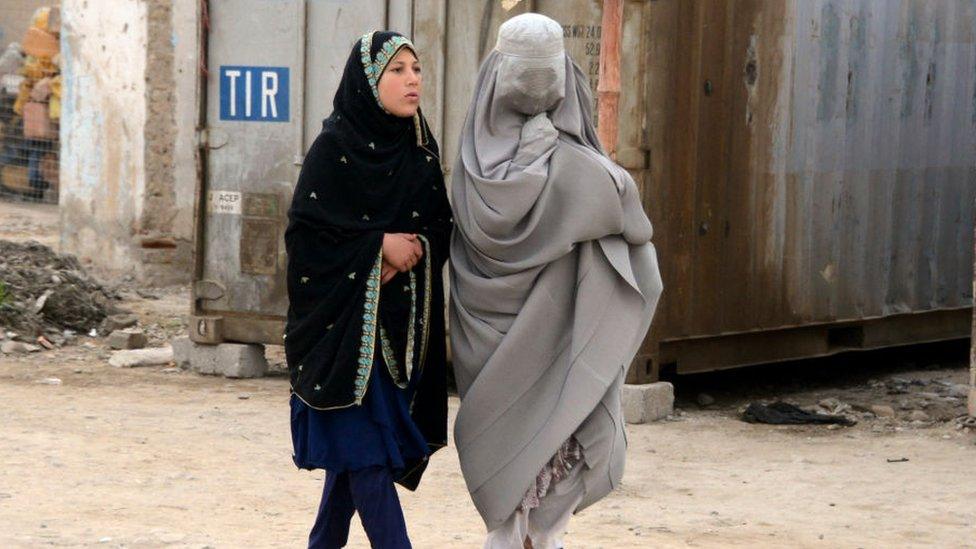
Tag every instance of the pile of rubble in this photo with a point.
(47, 296)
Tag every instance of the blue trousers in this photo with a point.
(369, 491)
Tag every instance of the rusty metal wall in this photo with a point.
(812, 161)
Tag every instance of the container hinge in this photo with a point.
(211, 138)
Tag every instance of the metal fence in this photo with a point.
(30, 105)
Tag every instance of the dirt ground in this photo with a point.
(21, 221)
(91, 455)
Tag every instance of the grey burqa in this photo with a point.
(554, 280)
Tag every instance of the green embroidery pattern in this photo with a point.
(367, 341)
(374, 69)
(386, 345)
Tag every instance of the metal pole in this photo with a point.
(608, 89)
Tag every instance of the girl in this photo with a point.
(367, 237)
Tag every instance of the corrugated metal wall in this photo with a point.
(812, 160)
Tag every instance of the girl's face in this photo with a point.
(399, 85)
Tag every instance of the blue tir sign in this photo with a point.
(254, 94)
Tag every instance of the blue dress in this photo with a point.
(380, 432)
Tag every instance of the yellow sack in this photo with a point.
(40, 18)
(55, 103)
(23, 95)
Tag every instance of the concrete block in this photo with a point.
(234, 360)
(203, 359)
(130, 338)
(650, 402)
(182, 349)
(241, 360)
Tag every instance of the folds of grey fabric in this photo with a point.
(554, 283)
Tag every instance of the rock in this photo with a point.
(43, 342)
(829, 403)
(119, 322)
(648, 402)
(834, 406)
(882, 410)
(18, 347)
(130, 338)
(705, 399)
(142, 357)
(918, 415)
(49, 381)
(146, 294)
(41, 301)
(959, 390)
(243, 396)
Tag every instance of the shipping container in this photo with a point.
(809, 165)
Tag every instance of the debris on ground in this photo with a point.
(882, 410)
(118, 322)
(784, 413)
(49, 381)
(705, 400)
(45, 342)
(147, 294)
(45, 293)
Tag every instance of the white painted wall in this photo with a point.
(103, 135)
(102, 130)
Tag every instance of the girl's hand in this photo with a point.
(389, 271)
(402, 251)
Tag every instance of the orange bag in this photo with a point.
(37, 123)
(40, 43)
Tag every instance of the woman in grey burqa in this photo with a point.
(554, 283)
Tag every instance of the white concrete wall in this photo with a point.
(111, 211)
(102, 129)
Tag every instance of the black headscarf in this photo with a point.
(368, 173)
